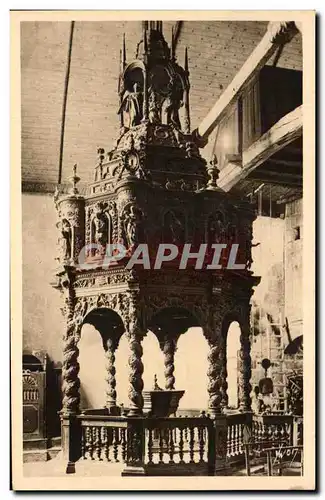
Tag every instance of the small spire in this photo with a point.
(74, 180)
(124, 52)
(186, 61)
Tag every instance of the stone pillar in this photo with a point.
(135, 377)
(168, 346)
(110, 346)
(245, 366)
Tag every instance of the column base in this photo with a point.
(134, 470)
(220, 426)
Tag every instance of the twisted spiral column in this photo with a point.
(70, 372)
(245, 371)
(214, 375)
(135, 377)
(169, 349)
(110, 347)
(224, 383)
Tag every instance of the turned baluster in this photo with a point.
(115, 444)
(201, 444)
(240, 445)
(97, 443)
(232, 441)
(236, 439)
(106, 443)
(83, 443)
(87, 441)
(123, 444)
(191, 445)
(171, 447)
(181, 446)
(269, 433)
(150, 447)
(186, 432)
(228, 440)
(161, 446)
(91, 443)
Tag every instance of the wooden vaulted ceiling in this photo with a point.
(217, 50)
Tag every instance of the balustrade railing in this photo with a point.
(275, 429)
(103, 438)
(181, 445)
(179, 442)
(238, 431)
(157, 444)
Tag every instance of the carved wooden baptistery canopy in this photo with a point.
(153, 187)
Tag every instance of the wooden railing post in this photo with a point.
(71, 440)
(135, 447)
(220, 444)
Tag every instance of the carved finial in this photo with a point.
(213, 173)
(155, 384)
(101, 155)
(74, 180)
(123, 52)
(186, 61)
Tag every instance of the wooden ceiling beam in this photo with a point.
(277, 34)
(286, 130)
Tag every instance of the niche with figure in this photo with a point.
(174, 227)
(216, 232)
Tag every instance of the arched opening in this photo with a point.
(152, 360)
(233, 347)
(180, 369)
(191, 370)
(92, 368)
(99, 325)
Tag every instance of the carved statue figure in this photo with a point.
(173, 229)
(216, 230)
(132, 104)
(174, 101)
(101, 230)
(132, 224)
(65, 239)
(154, 115)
